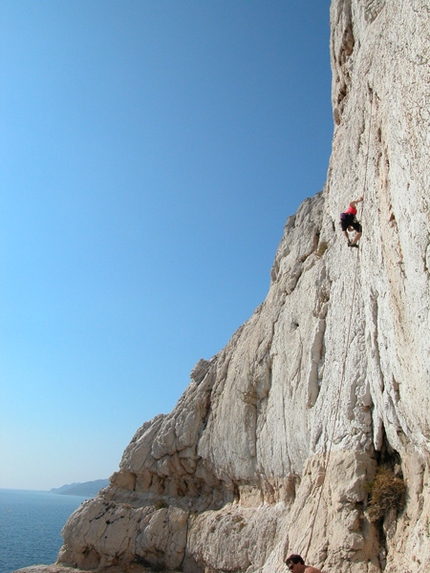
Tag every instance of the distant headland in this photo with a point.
(88, 488)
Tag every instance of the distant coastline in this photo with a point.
(88, 488)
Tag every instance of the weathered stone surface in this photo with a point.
(272, 446)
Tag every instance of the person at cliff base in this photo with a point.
(348, 222)
(296, 565)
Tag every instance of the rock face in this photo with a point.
(273, 447)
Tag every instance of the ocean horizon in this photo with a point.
(30, 526)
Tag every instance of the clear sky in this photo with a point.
(151, 152)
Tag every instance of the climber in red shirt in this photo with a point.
(348, 222)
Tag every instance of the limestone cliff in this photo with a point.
(274, 443)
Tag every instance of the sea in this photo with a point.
(30, 526)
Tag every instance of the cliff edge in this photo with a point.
(277, 442)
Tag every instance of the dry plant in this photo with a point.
(161, 504)
(387, 492)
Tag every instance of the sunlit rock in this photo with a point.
(273, 446)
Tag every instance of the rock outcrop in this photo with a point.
(275, 443)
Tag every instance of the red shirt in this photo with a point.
(351, 210)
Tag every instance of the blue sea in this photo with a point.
(30, 526)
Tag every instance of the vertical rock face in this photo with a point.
(274, 445)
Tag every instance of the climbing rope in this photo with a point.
(348, 338)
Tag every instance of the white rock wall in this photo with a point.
(332, 368)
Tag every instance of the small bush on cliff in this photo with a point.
(387, 492)
(161, 504)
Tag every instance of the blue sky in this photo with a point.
(151, 152)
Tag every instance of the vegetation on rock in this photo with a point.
(387, 492)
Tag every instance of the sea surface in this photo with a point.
(30, 526)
